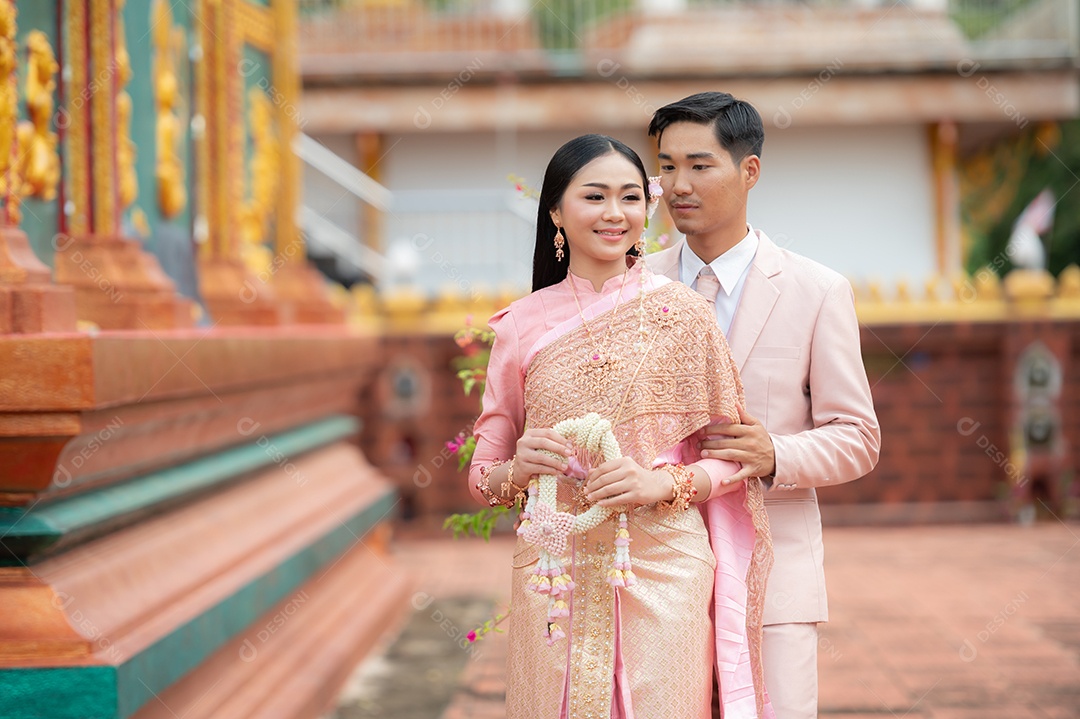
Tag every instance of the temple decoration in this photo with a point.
(103, 111)
(233, 292)
(168, 47)
(9, 109)
(39, 159)
(263, 183)
(75, 112)
(126, 152)
(258, 26)
(29, 302)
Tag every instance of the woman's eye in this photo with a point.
(594, 196)
(632, 198)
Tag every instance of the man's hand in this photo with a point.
(747, 443)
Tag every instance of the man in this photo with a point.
(792, 328)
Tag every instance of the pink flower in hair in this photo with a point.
(655, 192)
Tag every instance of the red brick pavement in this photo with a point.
(965, 622)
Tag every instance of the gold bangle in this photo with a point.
(484, 485)
(682, 489)
(509, 486)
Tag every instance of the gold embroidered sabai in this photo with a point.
(675, 375)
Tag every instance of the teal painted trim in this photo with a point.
(118, 692)
(58, 693)
(47, 528)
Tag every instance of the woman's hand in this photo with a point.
(624, 481)
(530, 461)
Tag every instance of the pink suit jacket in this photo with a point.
(795, 340)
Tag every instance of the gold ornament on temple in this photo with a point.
(126, 152)
(9, 108)
(263, 182)
(168, 48)
(39, 159)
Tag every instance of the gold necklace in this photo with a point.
(599, 367)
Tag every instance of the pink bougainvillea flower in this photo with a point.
(471, 636)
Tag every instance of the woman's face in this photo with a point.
(602, 212)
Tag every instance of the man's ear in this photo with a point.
(751, 170)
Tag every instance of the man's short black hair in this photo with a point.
(736, 123)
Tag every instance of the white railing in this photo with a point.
(467, 242)
(326, 237)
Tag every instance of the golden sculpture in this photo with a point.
(38, 158)
(263, 173)
(126, 151)
(168, 42)
(9, 108)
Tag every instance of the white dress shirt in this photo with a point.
(730, 269)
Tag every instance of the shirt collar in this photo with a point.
(728, 267)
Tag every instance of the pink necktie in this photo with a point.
(707, 284)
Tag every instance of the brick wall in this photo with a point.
(943, 394)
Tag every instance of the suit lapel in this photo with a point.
(759, 295)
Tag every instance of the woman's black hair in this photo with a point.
(565, 163)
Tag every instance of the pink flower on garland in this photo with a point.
(471, 636)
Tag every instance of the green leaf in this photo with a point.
(465, 453)
(480, 524)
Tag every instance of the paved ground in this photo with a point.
(965, 622)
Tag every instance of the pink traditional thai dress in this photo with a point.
(645, 651)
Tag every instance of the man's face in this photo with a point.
(705, 191)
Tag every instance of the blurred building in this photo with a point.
(902, 140)
(868, 107)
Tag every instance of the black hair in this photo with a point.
(564, 165)
(736, 123)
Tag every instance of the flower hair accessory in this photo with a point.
(655, 193)
(546, 527)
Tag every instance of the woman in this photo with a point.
(599, 334)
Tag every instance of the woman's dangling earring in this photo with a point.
(559, 242)
(640, 245)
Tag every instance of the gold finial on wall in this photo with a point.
(903, 294)
(933, 282)
(987, 286)
(1069, 283)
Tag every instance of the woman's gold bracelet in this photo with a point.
(683, 490)
(484, 485)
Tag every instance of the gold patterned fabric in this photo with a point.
(648, 650)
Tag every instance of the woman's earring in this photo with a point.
(559, 242)
(640, 245)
